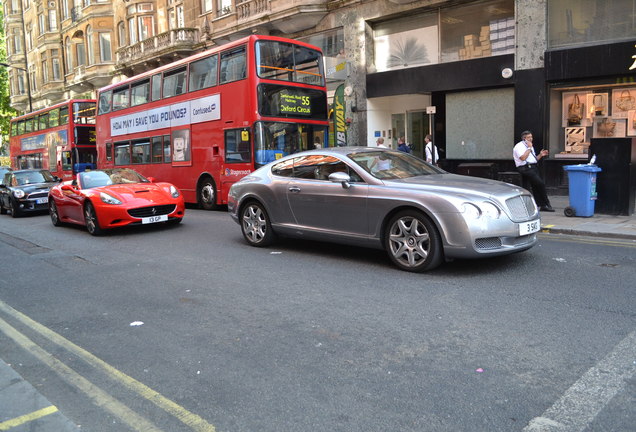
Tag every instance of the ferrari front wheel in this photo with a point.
(92, 224)
(55, 216)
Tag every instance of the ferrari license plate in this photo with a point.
(529, 227)
(154, 219)
(42, 200)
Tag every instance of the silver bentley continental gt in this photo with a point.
(380, 198)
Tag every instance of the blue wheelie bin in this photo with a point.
(582, 180)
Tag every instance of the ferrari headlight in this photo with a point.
(490, 210)
(471, 210)
(174, 192)
(18, 193)
(108, 199)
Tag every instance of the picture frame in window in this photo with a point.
(623, 101)
(181, 147)
(597, 105)
(631, 123)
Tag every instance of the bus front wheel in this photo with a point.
(207, 194)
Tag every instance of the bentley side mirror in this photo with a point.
(342, 178)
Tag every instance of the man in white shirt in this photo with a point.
(526, 161)
(431, 151)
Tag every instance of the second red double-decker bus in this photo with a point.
(205, 121)
(60, 138)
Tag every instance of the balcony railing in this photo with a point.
(157, 44)
(249, 8)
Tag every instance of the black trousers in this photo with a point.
(530, 175)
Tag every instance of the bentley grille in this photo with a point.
(521, 207)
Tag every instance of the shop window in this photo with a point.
(450, 34)
(406, 42)
(479, 30)
(588, 112)
(578, 23)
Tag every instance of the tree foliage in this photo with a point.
(6, 112)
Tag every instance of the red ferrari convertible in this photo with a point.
(110, 198)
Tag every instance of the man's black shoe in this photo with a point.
(546, 209)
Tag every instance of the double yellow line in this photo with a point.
(97, 395)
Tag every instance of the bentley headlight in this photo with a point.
(18, 193)
(108, 199)
(471, 210)
(490, 210)
(174, 192)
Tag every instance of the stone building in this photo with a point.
(473, 73)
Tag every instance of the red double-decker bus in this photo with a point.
(60, 138)
(203, 122)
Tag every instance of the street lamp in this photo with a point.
(28, 82)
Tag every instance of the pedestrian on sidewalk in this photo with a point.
(403, 146)
(432, 156)
(526, 161)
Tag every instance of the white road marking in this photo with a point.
(581, 403)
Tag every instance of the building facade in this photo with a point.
(472, 73)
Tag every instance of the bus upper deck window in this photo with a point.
(174, 82)
(203, 73)
(140, 93)
(54, 117)
(63, 115)
(233, 65)
(84, 112)
(105, 100)
(43, 121)
(121, 98)
(156, 87)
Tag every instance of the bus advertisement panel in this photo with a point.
(203, 122)
(61, 139)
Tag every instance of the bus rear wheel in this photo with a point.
(207, 194)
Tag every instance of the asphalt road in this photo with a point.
(188, 328)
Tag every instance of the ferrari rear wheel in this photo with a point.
(92, 224)
(412, 242)
(55, 217)
(256, 226)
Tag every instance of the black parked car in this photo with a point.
(26, 191)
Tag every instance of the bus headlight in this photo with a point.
(18, 193)
(174, 192)
(108, 199)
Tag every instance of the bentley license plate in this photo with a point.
(526, 228)
(154, 219)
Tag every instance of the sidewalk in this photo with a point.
(23, 408)
(599, 225)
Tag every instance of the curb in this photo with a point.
(570, 231)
